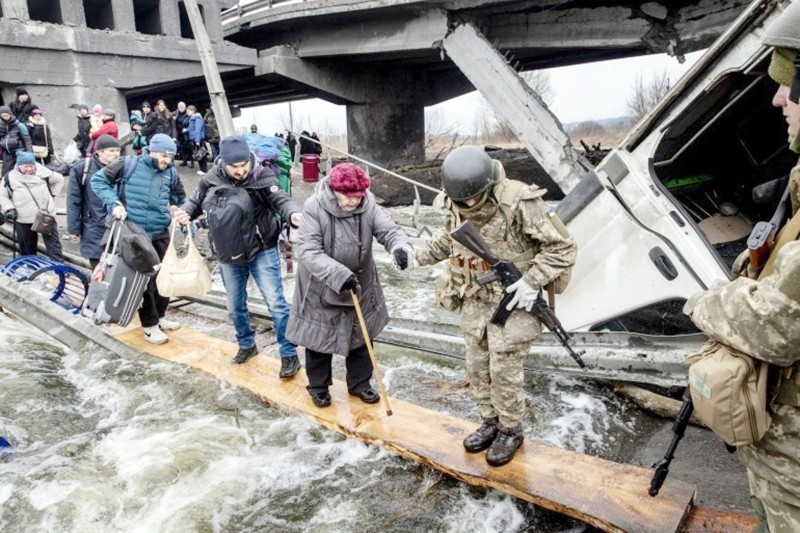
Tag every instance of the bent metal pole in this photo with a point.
(368, 342)
(219, 101)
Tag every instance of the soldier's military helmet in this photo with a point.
(784, 35)
(467, 172)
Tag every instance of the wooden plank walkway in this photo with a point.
(608, 495)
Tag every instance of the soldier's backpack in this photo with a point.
(233, 233)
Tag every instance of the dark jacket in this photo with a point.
(148, 192)
(159, 124)
(267, 197)
(40, 135)
(83, 138)
(212, 131)
(21, 111)
(14, 136)
(333, 244)
(181, 122)
(86, 212)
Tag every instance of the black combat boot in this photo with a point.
(482, 437)
(505, 446)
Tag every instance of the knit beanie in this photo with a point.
(83, 106)
(5, 109)
(162, 143)
(36, 111)
(97, 109)
(21, 90)
(781, 68)
(110, 113)
(349, 179)
(105, 141)
(146, 104)
(234, 150)
(25, 158)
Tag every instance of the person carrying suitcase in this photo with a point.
(144, 189)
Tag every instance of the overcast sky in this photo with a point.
(581, 92)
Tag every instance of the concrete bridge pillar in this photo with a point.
(387, 133)
(72, 13)
(15, 9)
(170, 18)
(124, 19)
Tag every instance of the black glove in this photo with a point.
(11, 215)
(401, 258)
(350, 284)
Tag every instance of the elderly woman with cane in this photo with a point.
(334, 246)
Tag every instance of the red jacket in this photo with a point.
(109, 128)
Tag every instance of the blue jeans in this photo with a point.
(266, 271)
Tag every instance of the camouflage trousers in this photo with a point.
(775, 515)
(495, 369)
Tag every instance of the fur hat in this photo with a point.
(25, 158)
(105, 141)
(162, 143)
(233, 150)
(349, 179)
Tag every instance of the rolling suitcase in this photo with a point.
(118, 296)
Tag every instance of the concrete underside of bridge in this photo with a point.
(387, 61)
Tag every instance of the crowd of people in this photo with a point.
(246, 208)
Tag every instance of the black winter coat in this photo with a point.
(40, 135)
(86, 213)
(21, 111)
(14, 137)
(159, 124)
(83, 139)
(181, 122)
(267, 197)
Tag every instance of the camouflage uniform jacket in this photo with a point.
(517, 227)
(762, 319)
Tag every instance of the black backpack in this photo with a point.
(234, 235)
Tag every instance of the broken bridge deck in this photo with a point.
(608, 495)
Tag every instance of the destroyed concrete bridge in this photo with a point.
(386, 61)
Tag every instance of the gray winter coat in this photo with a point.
(330, 248)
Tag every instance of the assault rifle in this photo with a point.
(508, 274)
(679, 429)
(762, 238)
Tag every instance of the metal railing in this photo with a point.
(231, 14)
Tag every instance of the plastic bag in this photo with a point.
(183, 271)
(72, 154)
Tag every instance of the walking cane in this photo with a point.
(368, 342)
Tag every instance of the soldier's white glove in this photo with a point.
(524, 295)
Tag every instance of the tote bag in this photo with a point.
(183, 271)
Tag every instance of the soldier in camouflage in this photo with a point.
(762, 318)
(516, 224)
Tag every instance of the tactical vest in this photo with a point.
(501, 226)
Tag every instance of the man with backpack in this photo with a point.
(144, 189)
(86, 213)
(240, 199)
(517, 225)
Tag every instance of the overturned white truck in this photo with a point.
(665, 213)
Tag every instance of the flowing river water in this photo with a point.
(103, 443)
